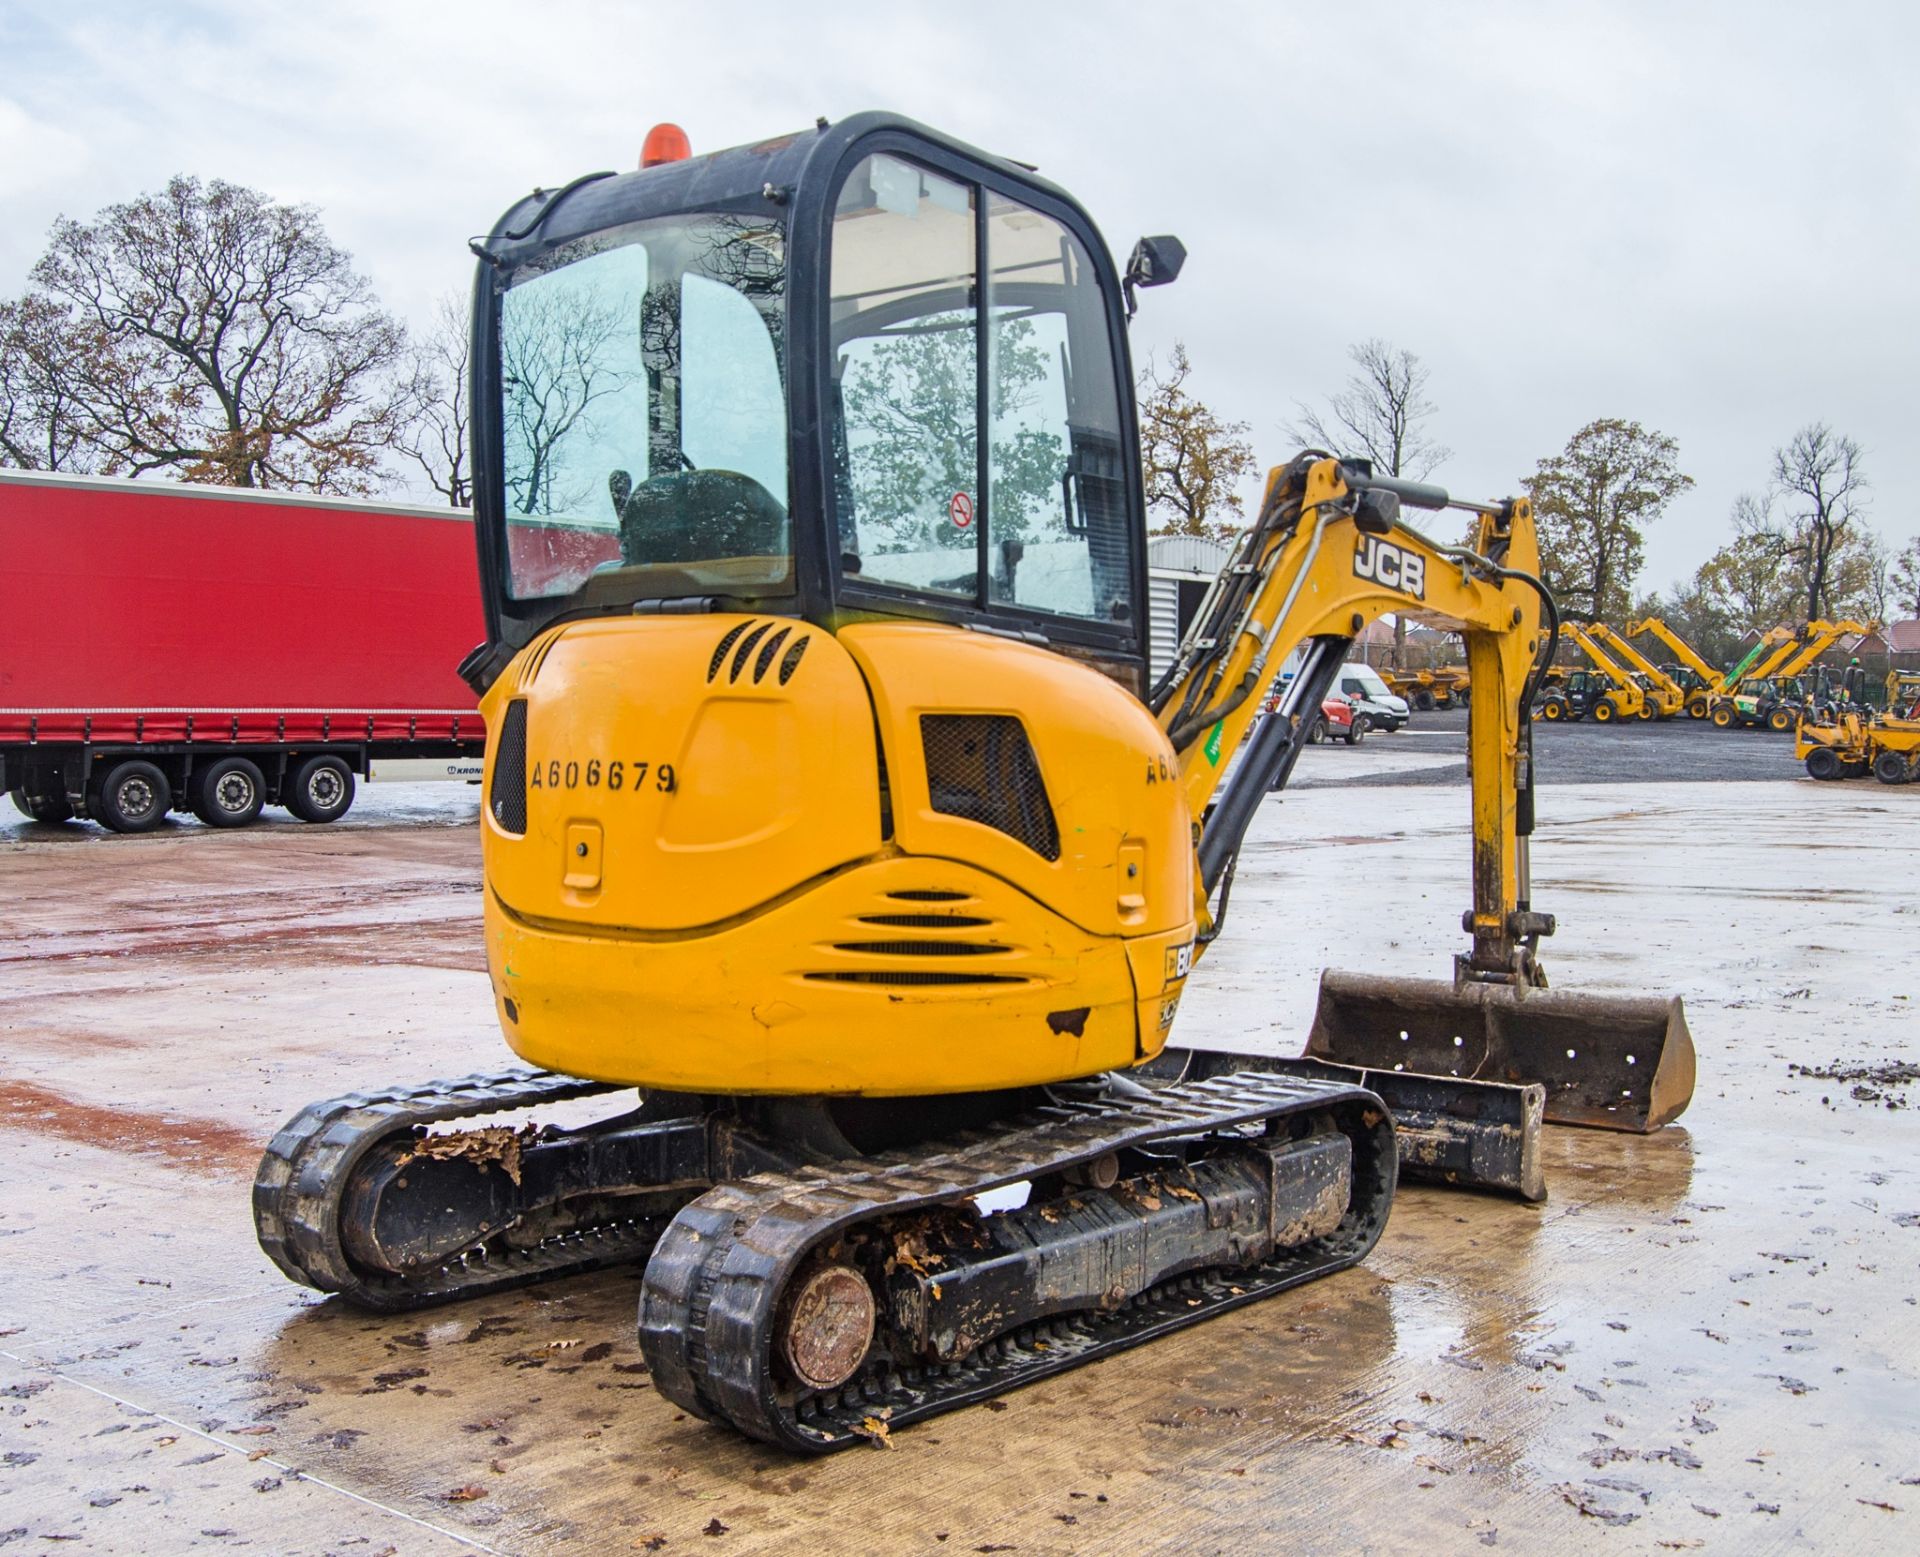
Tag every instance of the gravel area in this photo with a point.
(1639, 752)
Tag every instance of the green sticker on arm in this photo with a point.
(1212, 748)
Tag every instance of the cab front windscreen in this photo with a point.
(643, 414)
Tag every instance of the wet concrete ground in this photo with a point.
(1705, 1339)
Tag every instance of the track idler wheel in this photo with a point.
(826, 1329)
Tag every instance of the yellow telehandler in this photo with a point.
(1665, 694)
(835, 835)
(1700, 680)
(1606, 693)
(1771, 696)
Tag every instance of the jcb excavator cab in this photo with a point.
(857, 372)
(759, 431)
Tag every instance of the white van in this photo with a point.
(1371, 699)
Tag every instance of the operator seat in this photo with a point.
(696, 516)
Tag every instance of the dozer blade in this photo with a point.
(1613, 1062)
(1465, 1134)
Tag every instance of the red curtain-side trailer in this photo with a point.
(213, 650)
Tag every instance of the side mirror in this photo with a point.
(1153, 263)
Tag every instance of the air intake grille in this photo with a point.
(507, 796)
(981, 767)
(743, 639)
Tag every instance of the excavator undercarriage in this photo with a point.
(839, 853)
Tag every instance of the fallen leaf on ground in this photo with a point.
(467, 1494)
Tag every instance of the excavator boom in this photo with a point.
(1329, 553)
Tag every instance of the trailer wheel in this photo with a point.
(133, 797)
(1823, 762)
(228, 793)
(1890, 767)
(320, 790)
(42, 808)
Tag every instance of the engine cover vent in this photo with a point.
(743, 638)
(981, 767)
(507, 787)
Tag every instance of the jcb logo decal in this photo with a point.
(1391, 565)
(1179, 963)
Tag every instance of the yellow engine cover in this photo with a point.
(695, 879)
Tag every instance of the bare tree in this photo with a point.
(558, 350)
(207, 331)
(1903, 581)
(1863, 575)
(1379, 415)
(1818, 476)
(1193, 459)
(437, 440)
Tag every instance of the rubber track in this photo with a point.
(714, 1282)
(305, 1170)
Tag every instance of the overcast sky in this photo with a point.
(1699, 217)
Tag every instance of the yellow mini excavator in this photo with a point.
(835, 836)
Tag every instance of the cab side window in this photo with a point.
(977, 433)
(1057, 520)
(906, 378)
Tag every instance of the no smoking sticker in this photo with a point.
(960, 510)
